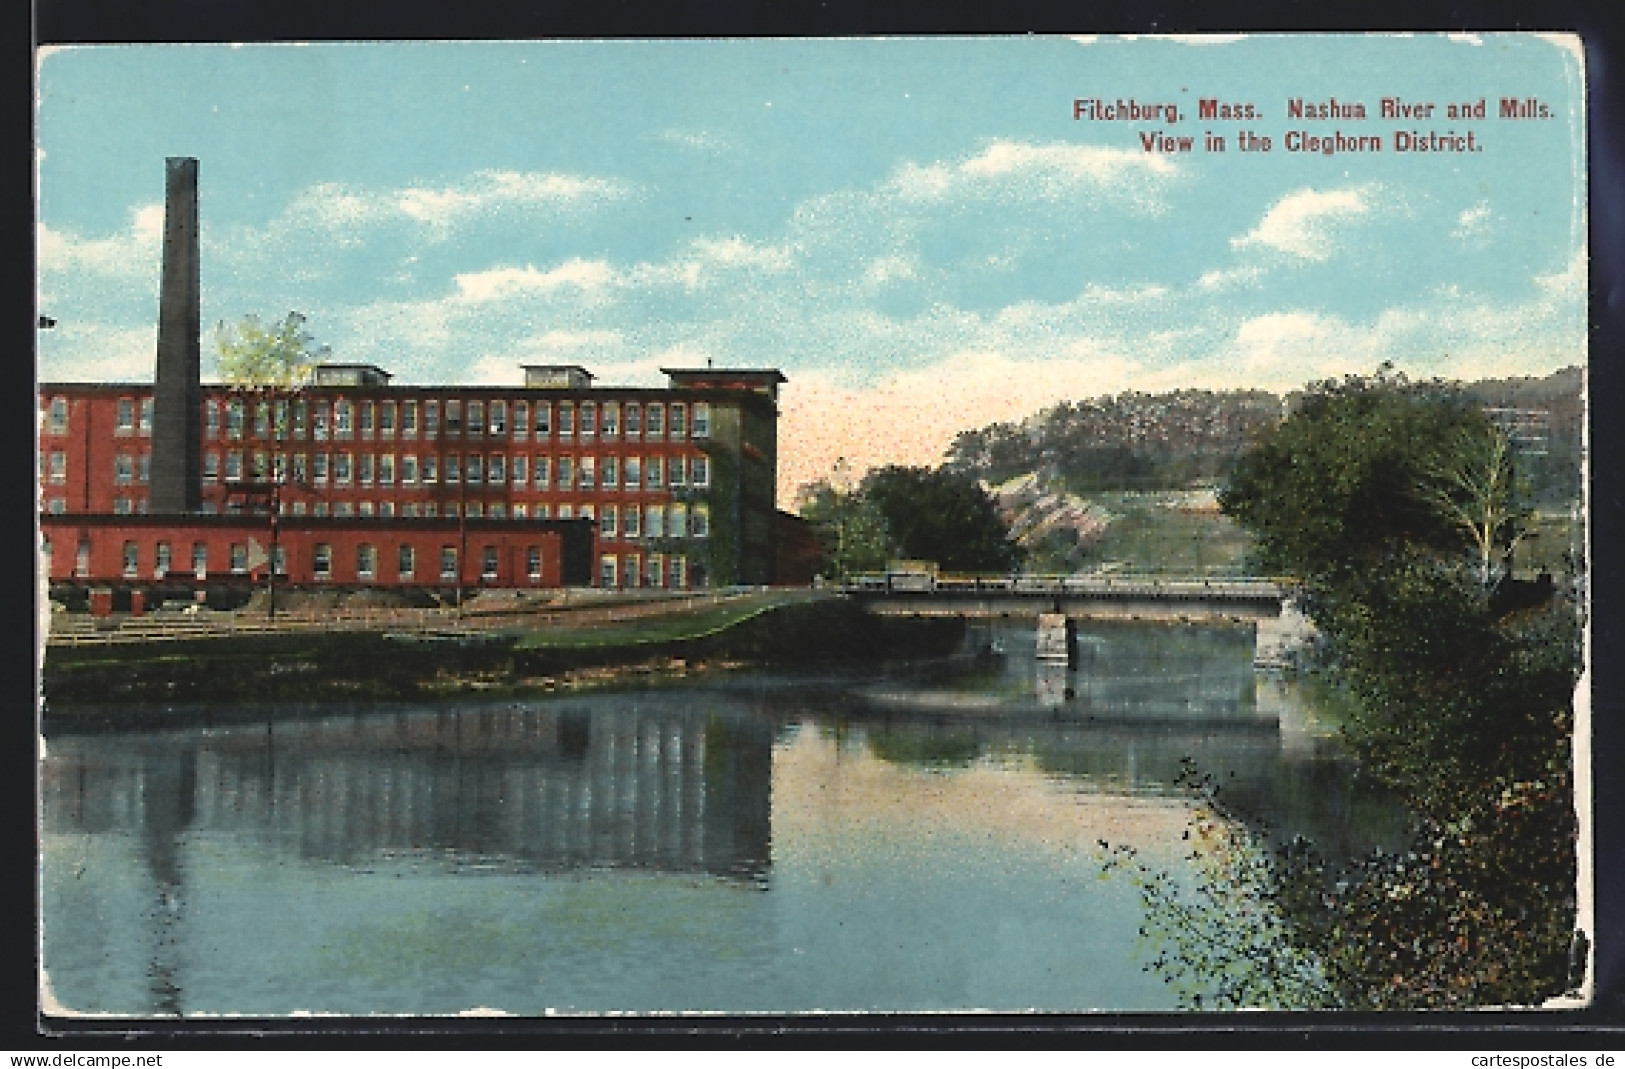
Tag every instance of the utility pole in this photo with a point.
(462, 534)
(270, 568)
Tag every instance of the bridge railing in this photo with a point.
(1115, 585)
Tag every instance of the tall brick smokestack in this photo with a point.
(176, 464)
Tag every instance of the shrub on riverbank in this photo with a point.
(1396, 506)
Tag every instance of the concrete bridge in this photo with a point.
(1264, 603)
(1082, 597)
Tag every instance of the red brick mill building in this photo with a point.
(180, 489)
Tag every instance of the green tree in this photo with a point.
(1393, 503)
(1471, 483)
(941, 516)
(270, 363)
(282, 356)
(1334, 488)
(848, 526)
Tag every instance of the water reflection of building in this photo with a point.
(567, 788)
(670, 787)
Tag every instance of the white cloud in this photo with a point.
(410, 338)
(737, 252)
(1304, 222)
(494, 371)
(1053, 171)
(587, 277)
(614, 369)
(1286, 348)
(596, 349)
(95, 352)
(489, 191)
(1472, 222)
(1454, 334)
(1229, 278)
(1087, 163)
(345, 212)
(1567, 286)
(884, 269)
(331, 207)
(553, 341)
(684, 355)
(706, 259)
(133, 252)
(1468, 336)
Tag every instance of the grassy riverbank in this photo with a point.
(91, 685)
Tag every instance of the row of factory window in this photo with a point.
(122, 506)
(626, 569)
(615, 522)
(344, 419)
(366, 561)
(474, 469)
(131, 416)
(341, 469)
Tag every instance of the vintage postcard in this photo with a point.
(1033, 524)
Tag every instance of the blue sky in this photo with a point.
(916, 231)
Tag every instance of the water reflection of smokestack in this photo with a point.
(575, 734)
(168, 789)
(738, 788)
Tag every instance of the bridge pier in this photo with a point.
(1282, 640)
(1057, 639)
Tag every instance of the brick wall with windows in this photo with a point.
(157, 551)
(657, 470)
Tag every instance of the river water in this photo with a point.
(923, 838)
